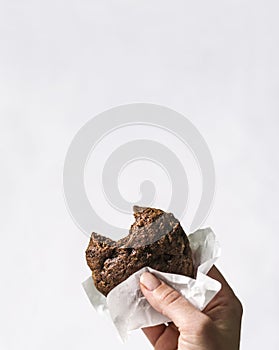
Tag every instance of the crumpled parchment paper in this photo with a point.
(129, 309)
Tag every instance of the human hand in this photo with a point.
(217, 327)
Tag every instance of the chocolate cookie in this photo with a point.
(155, 239)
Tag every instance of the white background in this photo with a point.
(65, 61)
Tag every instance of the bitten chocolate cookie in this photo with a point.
(155, 239)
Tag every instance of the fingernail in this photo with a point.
(149, 281)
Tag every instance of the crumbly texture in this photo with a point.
(156, 239)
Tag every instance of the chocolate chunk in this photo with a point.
(156, 239)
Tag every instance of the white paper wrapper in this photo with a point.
(128, 308)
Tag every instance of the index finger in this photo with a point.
(216, 274)
(154, 333)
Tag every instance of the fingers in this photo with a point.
(154, 333)
(216, 274)
(168, 340)
(168, 301)
(162, 337)
(225, 298)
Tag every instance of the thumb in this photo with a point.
(168, 301)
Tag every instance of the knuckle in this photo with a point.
(169, 296)
(238, 307)
(204, 326)
(234, 306)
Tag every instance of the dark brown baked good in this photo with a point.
(155, 239)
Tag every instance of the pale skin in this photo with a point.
(216, 328)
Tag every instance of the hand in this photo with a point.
(216, 328)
